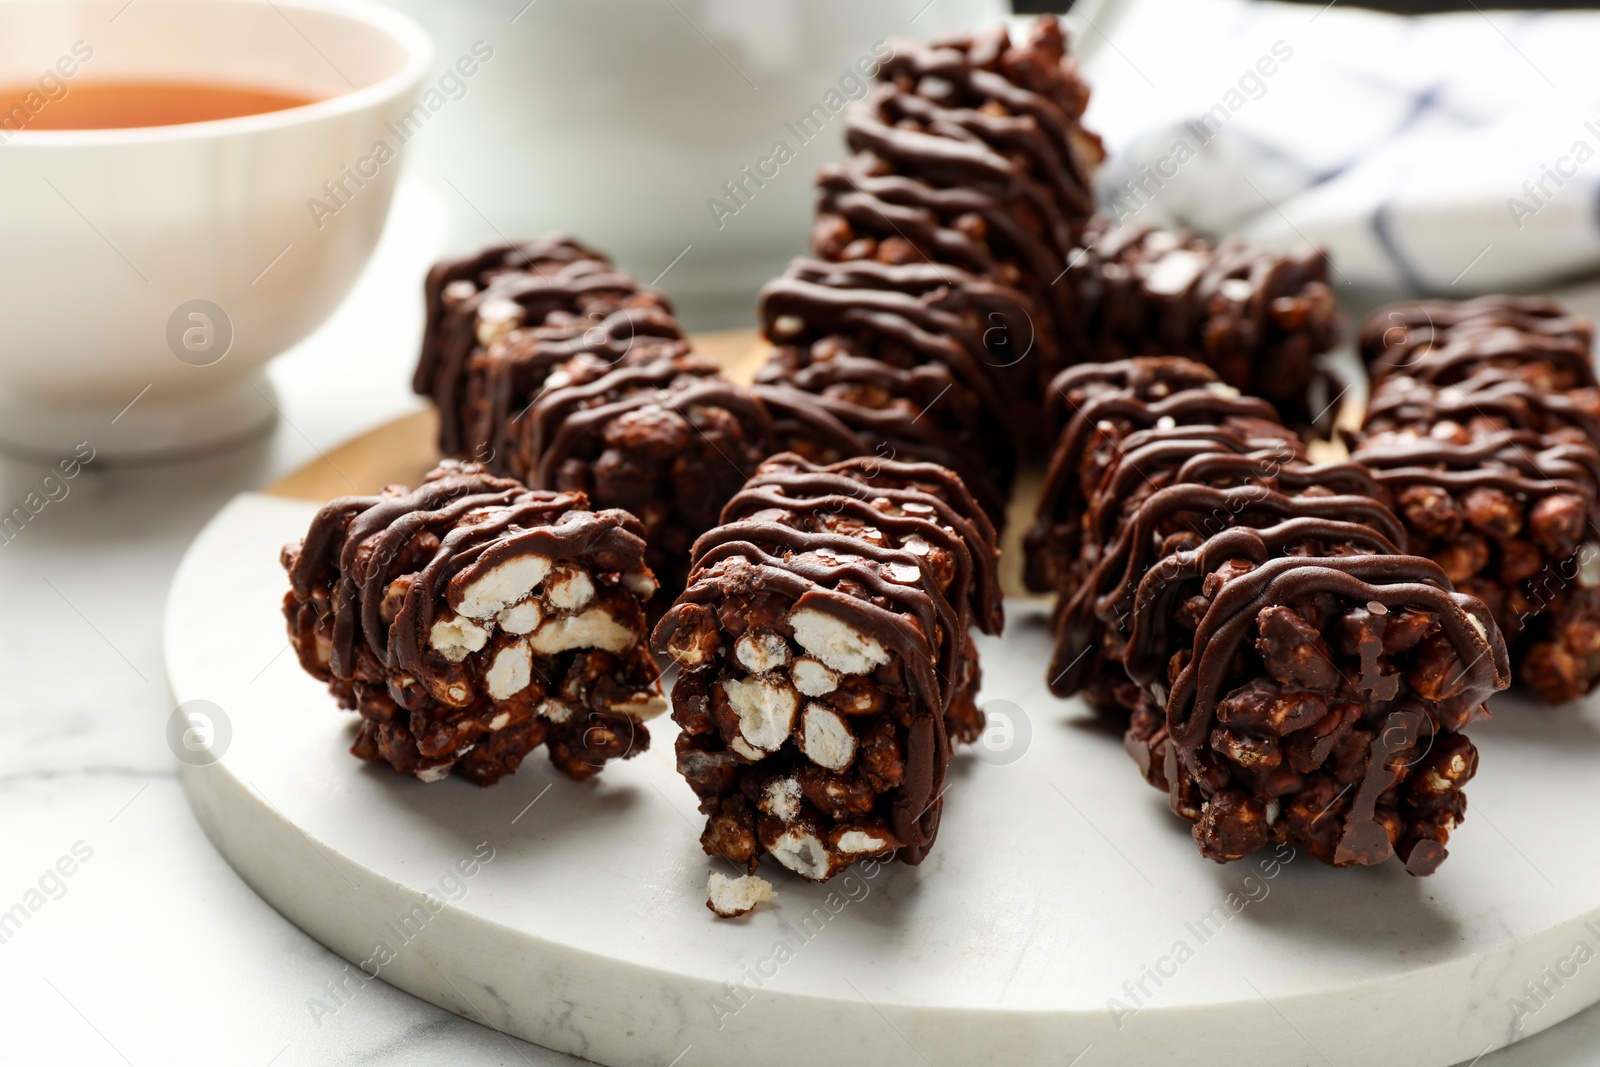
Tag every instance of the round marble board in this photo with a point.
(1064, 917)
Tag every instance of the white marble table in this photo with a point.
(152, 951)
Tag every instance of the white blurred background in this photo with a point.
(1396, 142)
(618, 120)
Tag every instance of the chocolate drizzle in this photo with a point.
(930, 312)
(1108, 596)
(1559, 362)
(908, 342)
(1016, 102)
(958, 152)
(1150, 459)
(862, 206)
(1146, 378)
(930, 503)
(1520, 450)
(478, 271)
(983, 112)
(517, 367)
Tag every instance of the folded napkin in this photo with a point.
(1451, 154)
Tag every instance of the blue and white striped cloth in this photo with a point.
(1451, 154)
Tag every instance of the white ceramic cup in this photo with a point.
(147, 275)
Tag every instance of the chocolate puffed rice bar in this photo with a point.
(1095, 406)
(1192, 483)
(907, 349)
(502, 320)
(971, 153)
(472, 619)
(1484, 428)
(1307, 689)
(825, 668)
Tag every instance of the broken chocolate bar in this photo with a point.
(825, 668)
(471, 619)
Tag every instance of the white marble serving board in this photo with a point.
(1061, 919)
